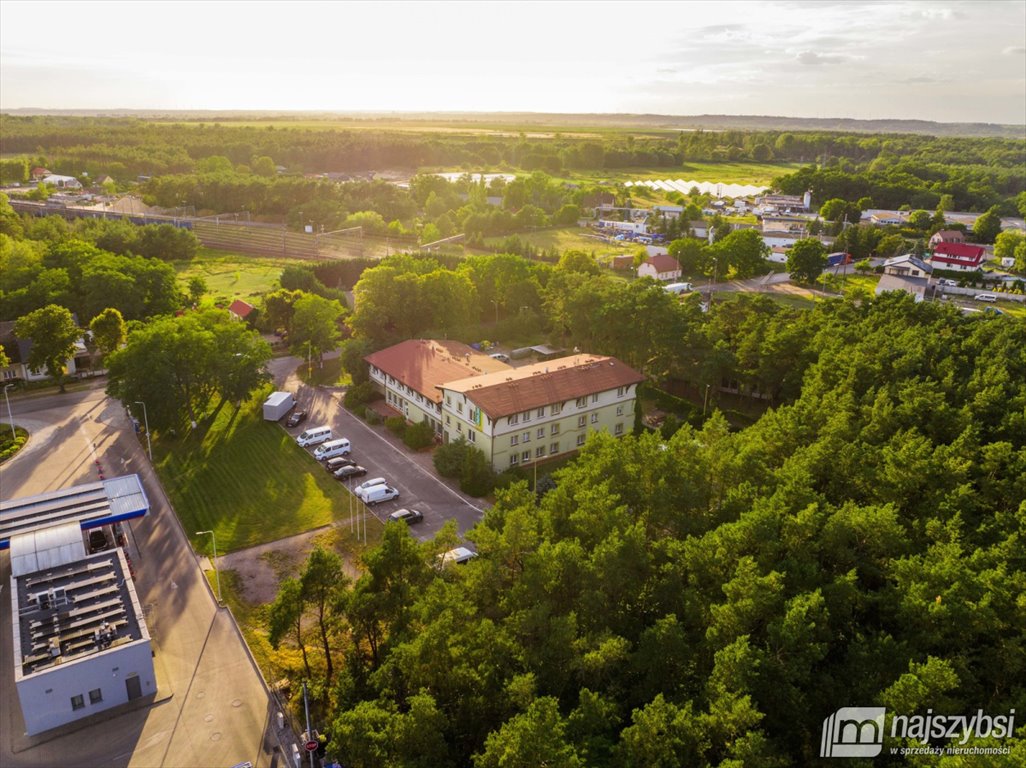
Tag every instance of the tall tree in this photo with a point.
(285, 618)
(53, 333)
(315, 324)
(806, 260)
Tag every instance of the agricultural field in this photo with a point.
(571, 238)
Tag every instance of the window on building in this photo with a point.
(582, 420)
(78, 702)
(539, 451)
(513, 419)
(526, 437)
(557, 409)
(619, 410)
(525, 456)
(448, 421)
(540, 434)
(620, 391)
(580, 439)
(448, 400)
(459, 427)
(95, 696)
(581, 402)
(619, 429)
(527, 415)
(594, 398)
(594, 418)
(541, 412)
(472, 435)
(459, 407)
(513, 459)
(554, 448)
(555, 429)
(514, 439)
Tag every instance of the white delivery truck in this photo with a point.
(278, 404)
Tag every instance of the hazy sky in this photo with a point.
(938, 60)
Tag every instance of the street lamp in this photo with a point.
(146, 421)
(217, 574)
(10, 416)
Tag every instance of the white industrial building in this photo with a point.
(80, 640)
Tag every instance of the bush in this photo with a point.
(371, 417)
(359, 394)
(419, 436)
(510, 476)
(477, 477)
(449, 458)
(396, 425)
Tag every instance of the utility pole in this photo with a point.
(309, 733)
(10, 416)
(146, 421)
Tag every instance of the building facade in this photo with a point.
(408, 374)
(540, 411)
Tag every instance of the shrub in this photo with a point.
(477, 477)
(510, 476)
(396, 425)
(449, 458)
(419, 436)
(359, 394)
(371, 416)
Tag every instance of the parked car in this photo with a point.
(335, 464)
(408, 516)
(296, 418)
(502, 358)
(376, 494)
(949, 282)
(98, 541)
(460, 555)
(353, 470)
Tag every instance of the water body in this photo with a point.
(704, 187)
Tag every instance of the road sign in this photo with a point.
(311, 746)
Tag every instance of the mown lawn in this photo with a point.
(231, 276)
(246, 480)
(571, 238)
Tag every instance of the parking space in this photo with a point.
(412, 474)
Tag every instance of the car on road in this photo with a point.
(353, 470)
(948, 282)
(335, 464)
(501, 357)
(408, 516)
(296, 418)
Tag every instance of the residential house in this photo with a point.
(240, 309)
(38, 173)
(410, 373)
(915, 286)
(785, 202)
(661, 267)
(540, 411)
(946, 236)
(907, 266)
(18, 351)
(959, 257)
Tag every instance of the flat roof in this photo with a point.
(75, 610)
(90, 505)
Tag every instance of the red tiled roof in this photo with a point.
(555, 381)
(240, 308)
(424, 364)
(959, 250)
(663, 262)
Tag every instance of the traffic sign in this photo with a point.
(311, 746)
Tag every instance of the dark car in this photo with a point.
(408, 516)
(335, 464)
(353, 470)
(296, 418)
(98, 541)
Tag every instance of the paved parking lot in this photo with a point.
(384, 455)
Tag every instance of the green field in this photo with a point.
(231, 276)
(247, 480)
(725, 173)
(571, 238)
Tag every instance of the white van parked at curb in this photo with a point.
(333, 448)
(313, 436)
(376, 494)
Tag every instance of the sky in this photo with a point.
(938, 60)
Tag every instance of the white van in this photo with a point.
(376, 494)
(679, 288)
(333, 448)
(460, 555)
(990, 298)
(370, 483)
(313, 436)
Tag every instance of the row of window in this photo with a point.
(95, 697)
(539, 452)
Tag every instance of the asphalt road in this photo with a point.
(212, 708)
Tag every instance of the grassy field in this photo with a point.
(571, 238)
(245, 479)
(231, 276)
(725, 173)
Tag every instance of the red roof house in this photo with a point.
(957, 256)
(240, 309)
(661, 267)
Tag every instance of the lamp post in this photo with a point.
(146, 421)
(10, 416)
(217, 574)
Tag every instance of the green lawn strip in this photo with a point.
(246, 480)
(231, 276)
(570, 238)
(329, 373)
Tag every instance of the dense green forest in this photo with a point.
(709, 598)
